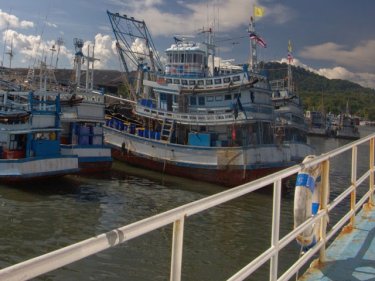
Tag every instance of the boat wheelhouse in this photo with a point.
(317, 123)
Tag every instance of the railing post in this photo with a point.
(371, 180)
(324, 197)
(177, 247)
(275, 228)
(353, 195)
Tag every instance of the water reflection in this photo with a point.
(42, 217)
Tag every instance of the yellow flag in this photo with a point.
(289, 46)
(258, 11)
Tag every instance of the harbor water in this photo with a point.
(38, 218)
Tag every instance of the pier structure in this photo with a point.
(350, 239)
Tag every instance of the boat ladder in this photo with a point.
(167, 130)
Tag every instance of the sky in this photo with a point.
(333, 38)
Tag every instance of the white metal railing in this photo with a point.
(204, 118)
(56, 259)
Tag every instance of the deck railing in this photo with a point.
(59, 258)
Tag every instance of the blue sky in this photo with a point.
(334, 38)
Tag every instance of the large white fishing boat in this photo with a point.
(29, 139)
(196, 120)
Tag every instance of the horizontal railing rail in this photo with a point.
(177, 216)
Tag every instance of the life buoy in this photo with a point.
(306, 204)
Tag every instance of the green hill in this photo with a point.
(331, 95)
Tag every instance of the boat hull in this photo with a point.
(91, 158)
(30, 169)
(227, 166)
(227, 177)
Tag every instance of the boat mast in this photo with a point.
(10, 53)
(90, 68)
(290, 59)
(253, 60)
(78, 44)
(210, 50)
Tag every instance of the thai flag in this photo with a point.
(290, 58)
(258, 39)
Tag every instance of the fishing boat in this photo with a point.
(290, 122)
(317, 125)
(346, 128)
(194, 120)
(83, 116)
(29, 139)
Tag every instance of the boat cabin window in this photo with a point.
(226, 80)
(228, 97)
(219, 98)
(191, 82)
(168, 80)
(235, 78)
(200, 82)
(193, 100)
(182, 58)
(217, 81)
(184, 82)
(176, 81)
(13, 142)
(197, 58)
(201, 101)
(209, 82)
(210, 99)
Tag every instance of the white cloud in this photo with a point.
(359, 57)
(51, 24)
(11, 21)
(103, 51)
(224, 14)
(30, 49)
(364, 79)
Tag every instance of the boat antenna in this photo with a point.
(5, 42)
(10, 53)
(59, 43)
(290, 60)
(53, 50)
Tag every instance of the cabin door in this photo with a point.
(166, 101)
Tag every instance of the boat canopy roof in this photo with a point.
(187, 47)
